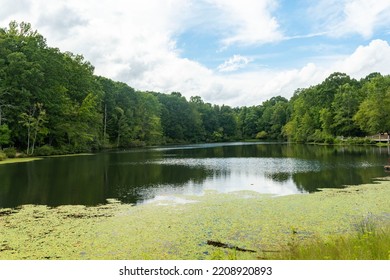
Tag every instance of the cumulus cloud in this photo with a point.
(254, 87)
(135, 42)
(342, 17)
(14, 7)
(117, 37)
(374, 57)
(248, 21)
(63, 20)
(362, 16)
(234, 63)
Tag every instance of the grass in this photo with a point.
(70, 155)
(28, 159)
(369, 242)
(17, 160)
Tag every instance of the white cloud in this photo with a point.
(248, 21)
(12, 7)
(343, 17)
(362, 16)
(251, 88)
(134, 42)
(63, 20)
(374, 57)
(118, 37)
(234, 63)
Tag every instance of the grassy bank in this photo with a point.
(28, 159)
(190, 227)
(17, 160)
(371, 244)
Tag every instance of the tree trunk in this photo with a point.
(33, 143)
(28, 140)
(105, 124)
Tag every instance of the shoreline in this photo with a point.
(339, 144)
(167, 230)
(19, 160)
(30, 159)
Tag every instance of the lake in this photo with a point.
(143, 175)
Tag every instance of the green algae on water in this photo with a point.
(171, 230)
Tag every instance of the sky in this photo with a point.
(237, 53)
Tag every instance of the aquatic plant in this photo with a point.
(331, 223)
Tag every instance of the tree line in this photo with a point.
(51, 102)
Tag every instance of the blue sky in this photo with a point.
(228, 52)
(305, 39)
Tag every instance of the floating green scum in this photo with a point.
(240, 225)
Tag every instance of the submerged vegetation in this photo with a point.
(350, 223)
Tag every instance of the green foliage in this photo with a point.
(129, 118)
(180, 120)
(345, 105)
(10, 152)
(355, 141)
(48, 97)
(44, 87)
(270, 117)
(34, 121)
(5, 135)
(321, 137)
(261, 135)
(369, 242)
(248, 121)
(45, 150)
(373, 115)
(3, 156)
(340, 106)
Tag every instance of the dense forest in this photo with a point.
(51, 102)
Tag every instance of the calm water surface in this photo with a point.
(141, 175)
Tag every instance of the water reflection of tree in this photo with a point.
(131, 182)
(89, 180)
(332, 178)
(53, 182)
(279, 177)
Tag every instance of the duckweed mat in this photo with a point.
(247, 224)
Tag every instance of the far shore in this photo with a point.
(18, 160)
(33, 158)
(338, 144)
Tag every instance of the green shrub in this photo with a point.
(261, 135)
(329, 140)
(354, 141)
(137, 143)
(3, 156)
(22, 155)
(10, 152)
(45, 150)
(321, 137)
(65, 149)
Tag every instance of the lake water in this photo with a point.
(143, 175)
